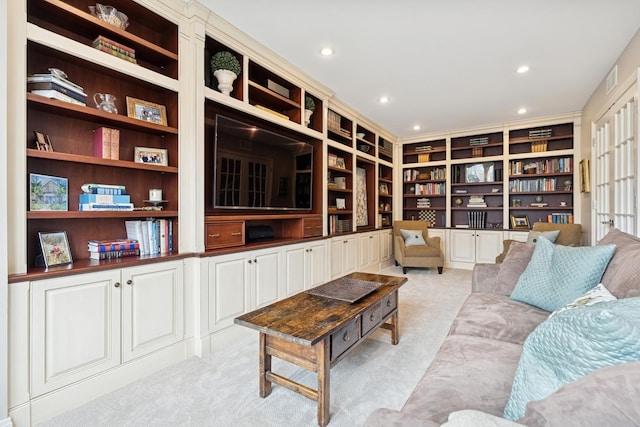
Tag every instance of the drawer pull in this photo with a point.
(388, 303)
(239, 233)
(307, 227)
(345, 337)
(214, 235)
(372, 317)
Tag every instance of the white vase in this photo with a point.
(225, 80)
(307, 116)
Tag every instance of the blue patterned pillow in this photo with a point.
(572, 344)
(557, 275)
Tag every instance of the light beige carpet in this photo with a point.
(221, 389)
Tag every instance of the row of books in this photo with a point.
(106, 143)
(104, 197)
(154, 235)
(114, 48)
(560, 218)
(527, 185)
(410, 175)
(110, 249)
(56, 87)
(337, 225)
(476, 219)
(430, 188)
(556, 165)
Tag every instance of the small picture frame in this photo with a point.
(331, 160)
(341, 204)
(48, 193)
(520, 222)
(151, 156)
(384, 190)
(43, 142)
(55, 248)
(146, 111)
(340, 163)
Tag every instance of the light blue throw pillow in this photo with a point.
(557, 275)
(413, 238)
(572, 344)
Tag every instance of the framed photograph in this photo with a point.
(153, 156)
(55, 248)
(48, 193)
(384, 190)
(340, 163)
(331, 160)
(147, 111)
(341, 204)
(585, 179)
(520, 222)
(479, 172)
(43, 143)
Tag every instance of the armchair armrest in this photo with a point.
(433, 242)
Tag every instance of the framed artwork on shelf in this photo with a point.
(341, 204)
(585, 179)
(479, 172)
(520, 222)
(43, 143)
(55, 248)
(48, 193)
(340, 163)
(384, 190)
(154, 156)
(147, 111)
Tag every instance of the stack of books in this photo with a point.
(476, 202)
(56, 87)
(104, 197)
(423, 203)
(155, 235)
(114, 48)
(117, 248)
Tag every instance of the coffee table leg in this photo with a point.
(394, 328)
(323, 369)
(264, 366)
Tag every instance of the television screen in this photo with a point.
(260, 169)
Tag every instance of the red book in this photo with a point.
(102, 142)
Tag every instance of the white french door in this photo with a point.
(615, 161)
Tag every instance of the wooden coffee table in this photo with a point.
(316, 332)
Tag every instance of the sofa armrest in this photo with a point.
(483, 278)
(389, 418)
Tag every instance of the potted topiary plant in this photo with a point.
(226, 68)
(309, 107)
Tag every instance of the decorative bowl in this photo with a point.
(110, 15)
(360, 135)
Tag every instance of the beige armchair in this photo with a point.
(420, 256)
(570, 235)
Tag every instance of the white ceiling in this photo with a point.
(445, 64)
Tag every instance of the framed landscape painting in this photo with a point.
(48, 193)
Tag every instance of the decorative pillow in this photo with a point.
(533, 236)
(512, 267)
(556, 274)
(413, 238)
(594, 296)
(571, 345)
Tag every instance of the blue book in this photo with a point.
(105, 199)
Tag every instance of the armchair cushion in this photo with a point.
(413, 238)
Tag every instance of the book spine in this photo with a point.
(83, 207)
(53, 85)
(102, 142)
(103, 189)
(115, 144)
(114, 247)
(40, 78)
(53, 94)
(106, 199)
(114, 254)
(106, 41)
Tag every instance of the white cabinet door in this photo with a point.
(368, 251)
(305, 266)
(315, 264)
(343, 256)
(265, 276)
(294, 271)
(152, 308)
(488, 246)
(75, 328)
(229, 294)
(462, 246)
(386, 245)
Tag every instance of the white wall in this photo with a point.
(628, 62)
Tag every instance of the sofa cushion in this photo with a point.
(421, 251)
(556, 275)
(572, 344)
(612, 394)
(622, 276)
(592, 296)
(496, 317)
(533, 236)
(512, 267)
(462, 377)
(472, 418)
(413, 238)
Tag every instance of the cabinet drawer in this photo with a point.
(222, 234)
(312, 227)
(389, 303)
(344, 338)
(371, 318)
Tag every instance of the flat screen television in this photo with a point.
(256, 168)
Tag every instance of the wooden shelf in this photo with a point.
(40, 215)
(76, 158)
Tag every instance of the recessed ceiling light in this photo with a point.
(326, 51)
(383, 99)
(522, 111)
(523, 69)
(416, 127)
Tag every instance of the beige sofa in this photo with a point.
(475, 366)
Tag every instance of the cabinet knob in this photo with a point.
(117, 284)
(345, 242)
(129, 282)
(250, 262)
(255, 260)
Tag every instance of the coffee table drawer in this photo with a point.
(371, 317)
(344, 338)
(389, 303)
